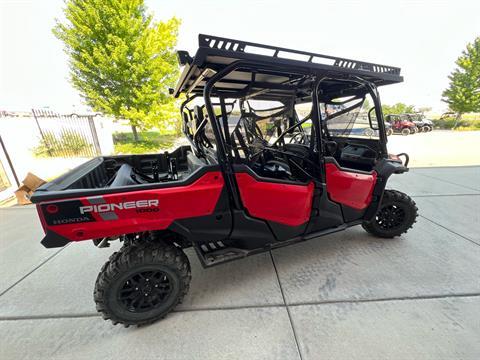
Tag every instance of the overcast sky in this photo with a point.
(424, 38)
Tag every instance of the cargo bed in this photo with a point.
(115, 174)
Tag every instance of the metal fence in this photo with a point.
(70, 135)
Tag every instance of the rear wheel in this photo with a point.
(397, 214)
(141, 283)
(389, 132)
(405, 132)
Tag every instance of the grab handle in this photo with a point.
(407, 158)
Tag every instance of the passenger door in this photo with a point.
(286, 205)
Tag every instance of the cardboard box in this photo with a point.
(30, 184)
(23, 194)
(32, 181)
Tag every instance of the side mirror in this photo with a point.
(372, 117)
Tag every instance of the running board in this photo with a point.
(216, 252)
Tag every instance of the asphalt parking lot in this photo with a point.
(344, 296)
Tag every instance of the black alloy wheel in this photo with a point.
(145, 290)
(390, 217)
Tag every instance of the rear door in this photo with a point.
(286, 205)
(267, 187)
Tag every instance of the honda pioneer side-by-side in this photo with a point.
(284, 147)
(401, 124)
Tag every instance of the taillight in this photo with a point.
(52, 208)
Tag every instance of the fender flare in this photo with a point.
(384, 168)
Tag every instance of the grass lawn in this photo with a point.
(150, 142)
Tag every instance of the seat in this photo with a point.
(197, 117)
(239, 142)
(194, 162)
(125, 176)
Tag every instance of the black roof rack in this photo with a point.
(215, 53)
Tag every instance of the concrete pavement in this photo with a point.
(344, 296)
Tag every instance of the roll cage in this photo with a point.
(231, 69)
(226, 73)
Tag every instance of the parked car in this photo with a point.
(422, 124)
(401, 124)
(240, 188)
(360, 131)
(448, 115)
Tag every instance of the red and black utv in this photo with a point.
(401, 124)
(275, 157)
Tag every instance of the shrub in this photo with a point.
(66, 144)
(45, 145)
(150, 142)
(449, 122)
(74, 143)
(445, 123)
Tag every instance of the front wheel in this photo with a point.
(141, 283)
(396, 215)
(406, 131)
(389, 132)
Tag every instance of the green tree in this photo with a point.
(463, 93)
(398, 108)
(121, 61)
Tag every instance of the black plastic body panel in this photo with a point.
(250, 233)
(54, 240)
(351, 214)
(384, 168)
(209, 228)
(284, 232)
(325, 213)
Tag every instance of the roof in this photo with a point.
(281, 70)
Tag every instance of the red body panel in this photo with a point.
(160, 208)
(283, 203)
(401, 124)
(350, 188)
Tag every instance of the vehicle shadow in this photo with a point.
(253, 281)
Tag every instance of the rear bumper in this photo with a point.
(54, 240)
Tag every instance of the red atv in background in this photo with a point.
(401, 124)
(256, 176)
